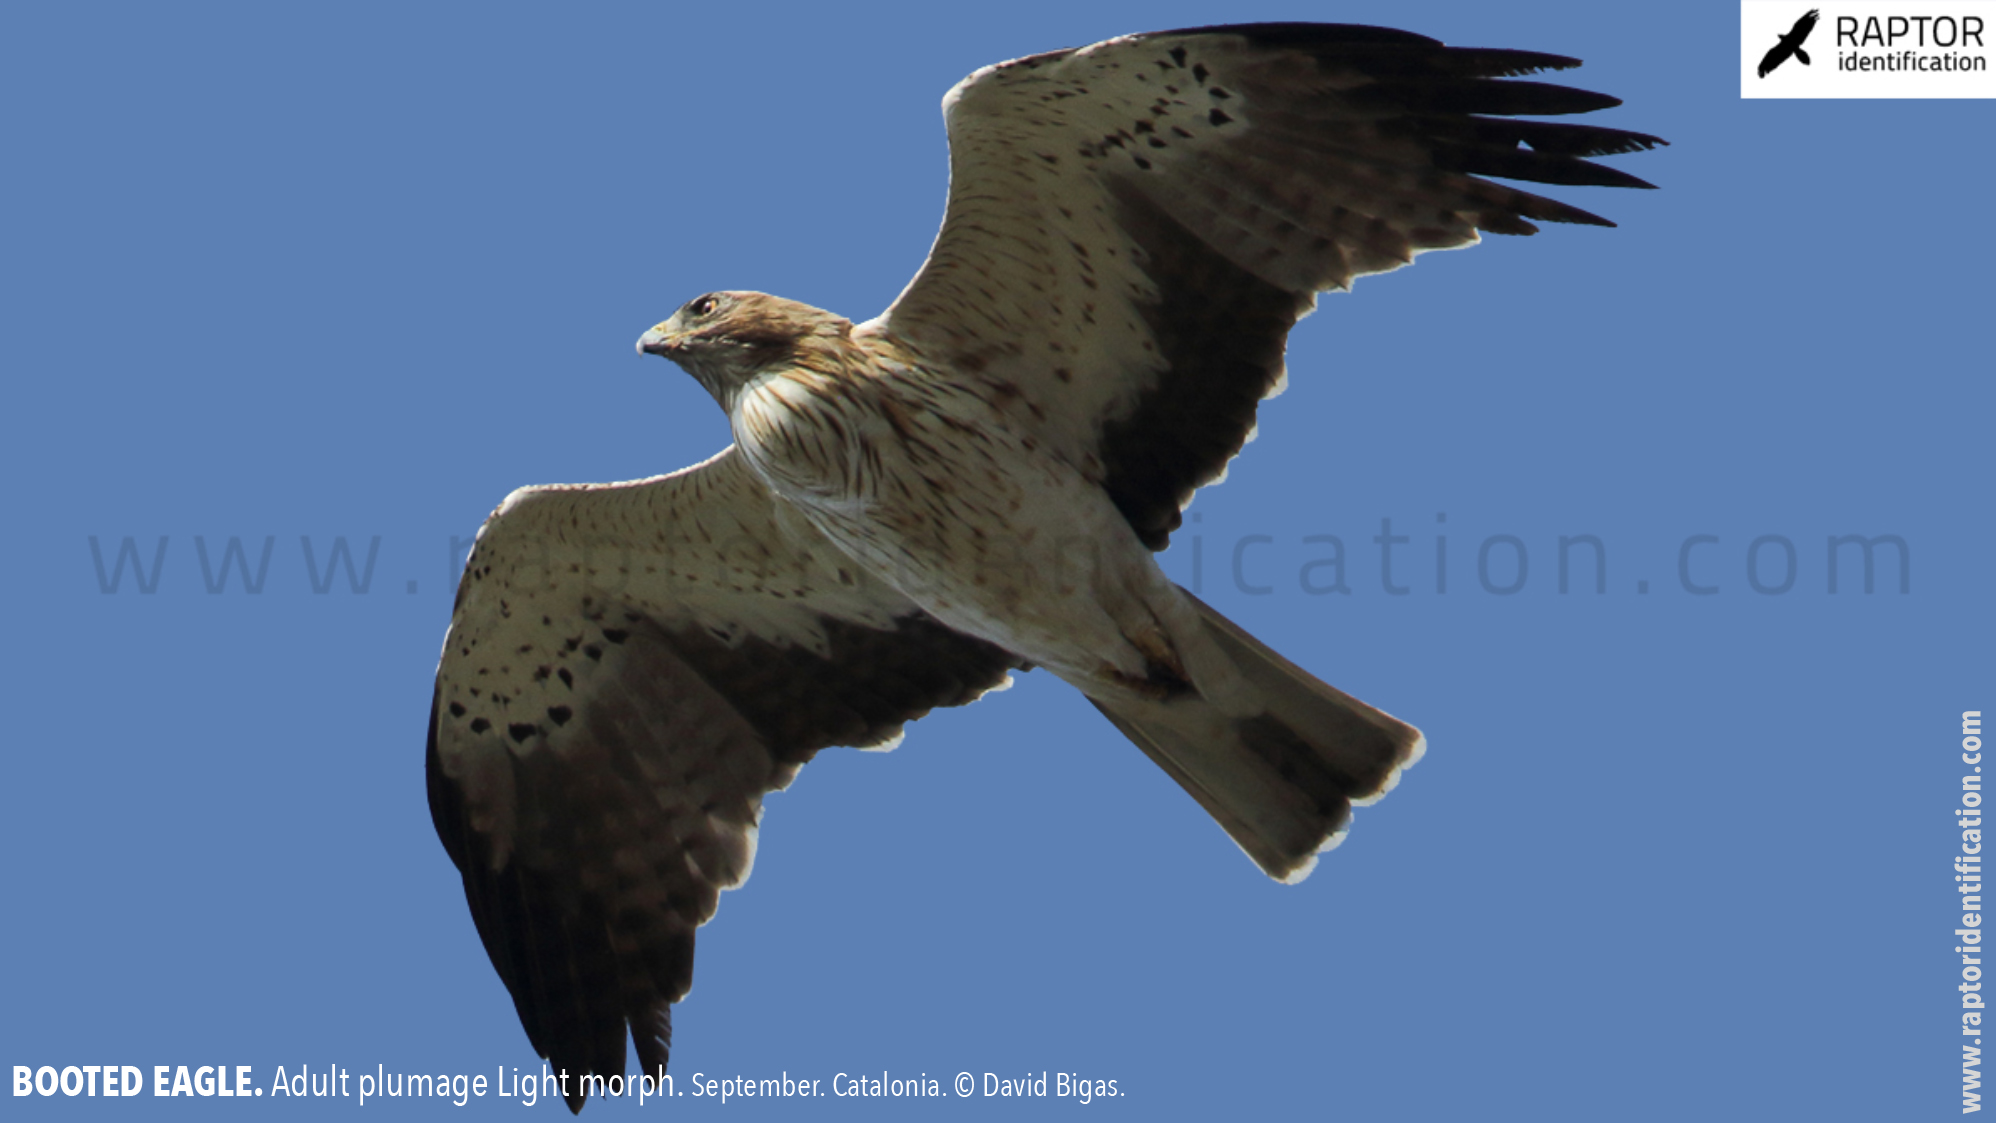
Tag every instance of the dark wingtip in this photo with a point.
(1500, 62)
(1596, 175)
(1573, 215)
(651, 1031)
(1643, 142)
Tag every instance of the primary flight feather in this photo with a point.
(970, 484)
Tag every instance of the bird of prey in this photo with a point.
(1790, 44)
(970, 484)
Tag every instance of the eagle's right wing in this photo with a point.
(629, 668)
(1133, 227)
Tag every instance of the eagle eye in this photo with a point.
(704, 306)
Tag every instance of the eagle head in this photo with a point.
(725, 339)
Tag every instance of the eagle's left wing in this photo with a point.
(629, 668)
(1133, 227)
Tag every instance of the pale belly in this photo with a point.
(966, 518)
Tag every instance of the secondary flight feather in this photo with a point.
(971, 484)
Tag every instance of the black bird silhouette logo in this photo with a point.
(1790, 44)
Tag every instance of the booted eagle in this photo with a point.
(972, 483)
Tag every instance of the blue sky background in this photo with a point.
(361, 271)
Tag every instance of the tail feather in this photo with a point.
(1282, 781)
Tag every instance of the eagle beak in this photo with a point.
(660, 340)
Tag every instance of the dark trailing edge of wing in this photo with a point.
(589, 916)
(1222, 329)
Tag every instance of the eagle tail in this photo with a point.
(1282, 781)
(1802, 55)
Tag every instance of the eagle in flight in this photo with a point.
(973, 483)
